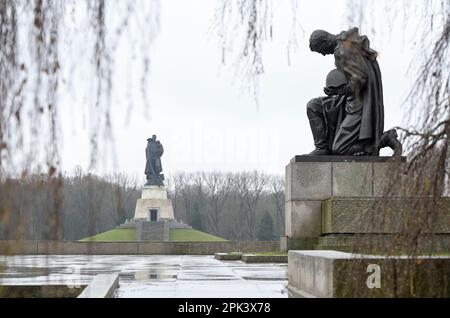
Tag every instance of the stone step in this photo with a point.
(152, 231)
(435, 243)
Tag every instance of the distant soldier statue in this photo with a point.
(153, 167)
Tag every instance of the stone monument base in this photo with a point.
(329, 199)
(331, 207)
(153, 217)
(154, 205)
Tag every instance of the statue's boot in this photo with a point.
(362, 148)
(320, 137)
(389, 139)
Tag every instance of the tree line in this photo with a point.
(240, 206)
(237, 206)
(69, 207)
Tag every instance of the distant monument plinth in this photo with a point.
(154, 205)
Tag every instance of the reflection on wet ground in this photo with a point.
(150, 275)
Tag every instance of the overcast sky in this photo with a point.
(199, 112)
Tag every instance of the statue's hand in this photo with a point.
(341, 90)
(329, 91)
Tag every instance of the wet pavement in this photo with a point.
(165, 276)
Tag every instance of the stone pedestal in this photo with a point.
(329, 199)
(330, 202)
(153, 203)
(310, 180)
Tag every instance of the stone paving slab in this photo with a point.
(151, 275)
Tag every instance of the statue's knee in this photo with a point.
(313, 103)
(314, 106)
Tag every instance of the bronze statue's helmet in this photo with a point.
(335, 79)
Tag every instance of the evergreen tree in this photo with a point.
(265, 229)
(197, 222)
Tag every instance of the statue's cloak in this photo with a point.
(153, 154)
(356, 59)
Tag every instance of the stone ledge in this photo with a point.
(438, 243)
(134, 248)
(102, 286)
(305, 158)
(337, 274)
(228, 256)
(251, 258)
(8, 247)
(86, 248)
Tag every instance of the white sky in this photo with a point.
(199, 112)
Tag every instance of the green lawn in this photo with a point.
(129, 235)
(191, 235)
(115, 235)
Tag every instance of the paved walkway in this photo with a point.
(151, 276)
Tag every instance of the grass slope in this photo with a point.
(191, 235)
(115, 235)
(176, 235)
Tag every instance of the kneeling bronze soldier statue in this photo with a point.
(349, 119)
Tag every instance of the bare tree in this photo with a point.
(257, 185)
(252, 22)
(199, 207)
(123, 189)
(187, 195)
(174, 185)
(276, 184)
(241, 191)
(218, 186)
